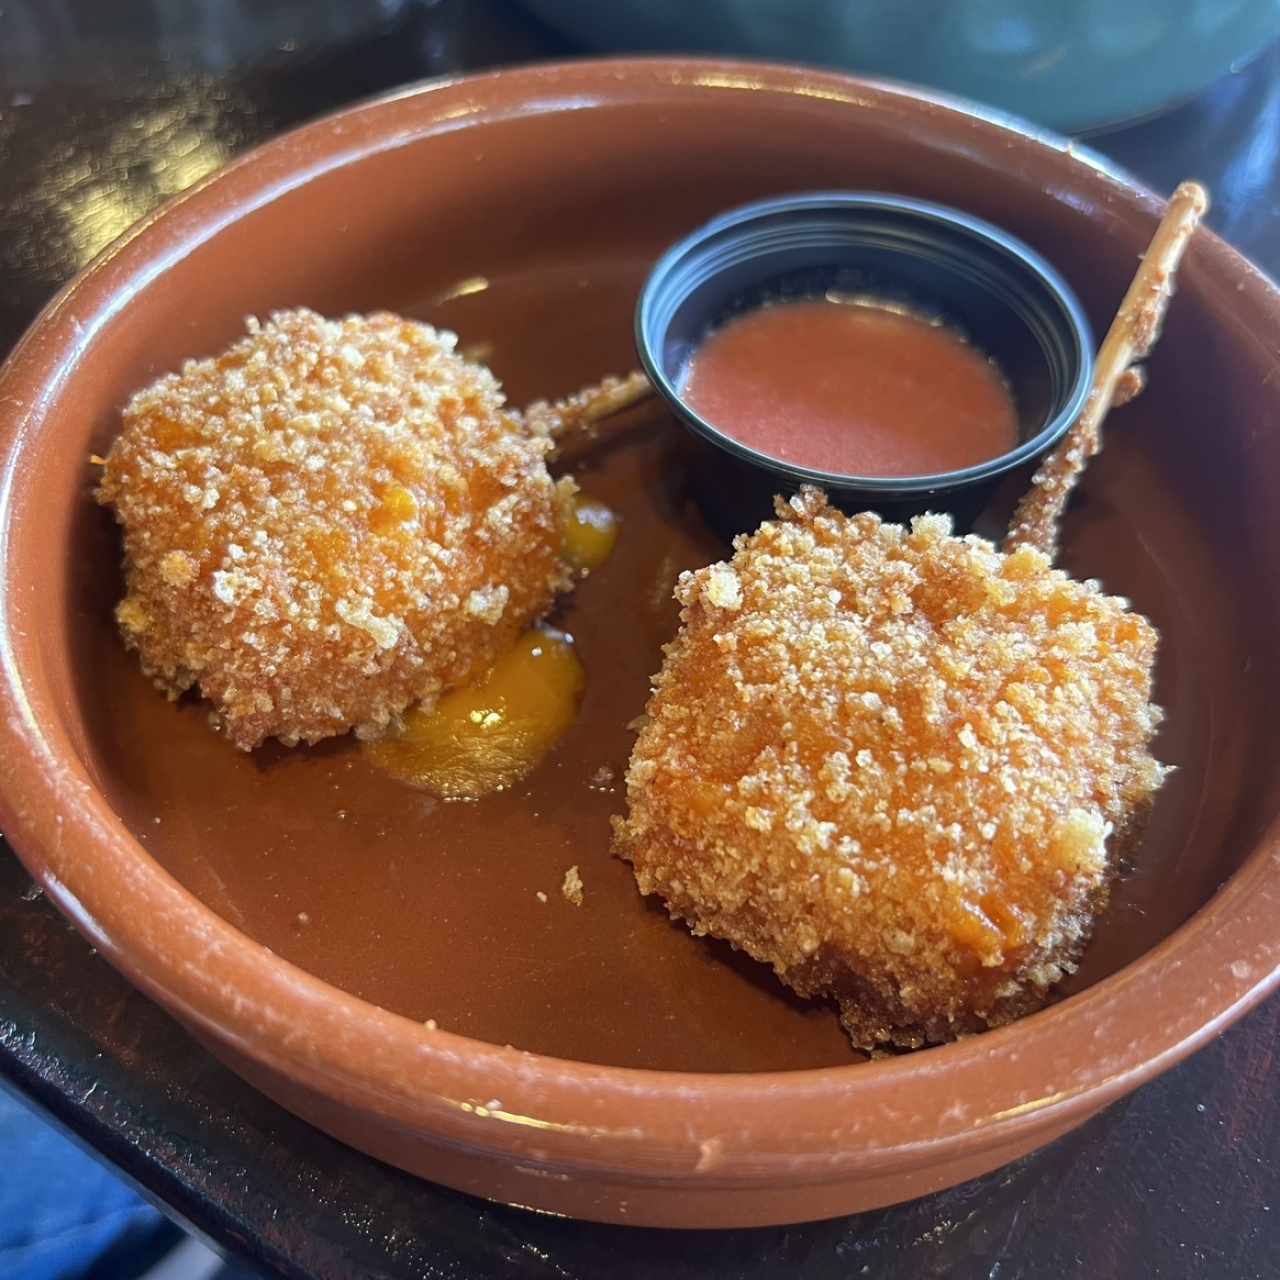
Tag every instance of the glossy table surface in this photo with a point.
(105, 110)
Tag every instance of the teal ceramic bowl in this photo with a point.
(1073, 65)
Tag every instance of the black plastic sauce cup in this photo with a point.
(990, 287)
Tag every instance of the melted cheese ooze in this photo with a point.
(589, 534)
(487, 736)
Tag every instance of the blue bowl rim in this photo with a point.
(996, 237)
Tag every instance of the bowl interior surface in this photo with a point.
(529, 232)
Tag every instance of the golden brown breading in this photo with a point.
(886, 761)
(329, 521)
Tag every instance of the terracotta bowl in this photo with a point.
(305, 918)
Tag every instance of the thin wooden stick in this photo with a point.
(1132, 335)
(587, 407)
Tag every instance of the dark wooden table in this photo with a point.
(105, 109)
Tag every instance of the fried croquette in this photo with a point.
(887, 761)
(328, 522)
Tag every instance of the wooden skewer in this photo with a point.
(587, 407)
(1132, 335)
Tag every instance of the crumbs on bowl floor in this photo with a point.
(572, 886)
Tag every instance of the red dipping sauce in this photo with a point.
(859, 389)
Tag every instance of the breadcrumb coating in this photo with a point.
(328, 522)
(887, 762)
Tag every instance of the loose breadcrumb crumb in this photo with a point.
(572, 886)
(331, 520)
(887, 762)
